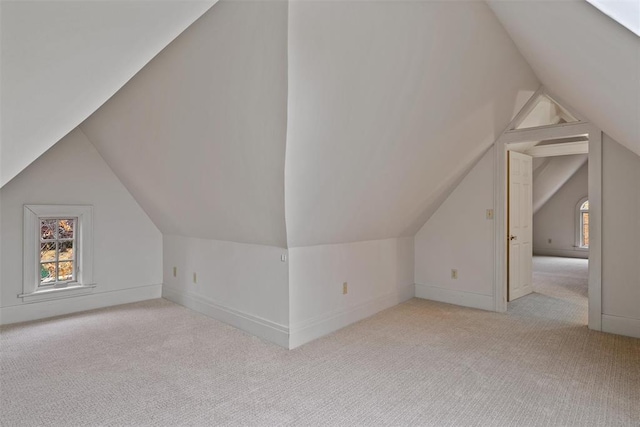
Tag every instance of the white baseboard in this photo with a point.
(564, 253)
(265, 329)
(621, 325)
(319, 326)
(465, 299)
(41, 310)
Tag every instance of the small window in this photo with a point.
(57, 243)
(583, 224)
(58, 248)
(545, 112)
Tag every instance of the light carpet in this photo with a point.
(425, 363)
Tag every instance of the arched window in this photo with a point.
(583, 224)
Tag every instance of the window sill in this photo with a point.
(57, 293)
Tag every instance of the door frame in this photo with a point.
(507, 141)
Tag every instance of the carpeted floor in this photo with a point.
(419, 363)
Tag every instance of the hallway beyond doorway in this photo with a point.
(559, 290)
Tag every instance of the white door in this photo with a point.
(520, 226)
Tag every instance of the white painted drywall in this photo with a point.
(620, 233)
(248, 279)
(127, 245)
(390, 103)
(459, 236)
(62, 59)
(198, 136)
(379, 274)
(584, 57)
(552, 175)
(556, 220)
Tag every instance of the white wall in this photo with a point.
(62, 59)
(379, 275)
(556, 220)
(459, 236)
(241, 284)
(389, 104)
(127, 245)
(198, 135)
(620, 239)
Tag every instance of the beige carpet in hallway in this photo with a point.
(420, 363)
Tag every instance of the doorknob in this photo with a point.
(512, 237)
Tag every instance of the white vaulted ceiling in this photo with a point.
(383, 107)
(583, 56)
(62, 59)
(198, 136)
(390, 103)
(352, 120)
(552, 175)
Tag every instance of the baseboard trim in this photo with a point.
(322, 325)
(621, 325)
(263, 328)
(465, 299)
(58, 307)
(564, 253)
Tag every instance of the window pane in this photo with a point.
(585, 206)
(65, 230)
(65, 271)
(66, 250)
(47, 272)
(48, 251)
(48, 229)
(585, 229)
(546, 112)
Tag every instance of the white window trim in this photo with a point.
(31, 260)
(578, 216)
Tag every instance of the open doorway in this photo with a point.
(554, 241)
(555, 136)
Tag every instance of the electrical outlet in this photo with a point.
(345, 288)
(454, 273)
(283, 257)
(489, 213)
(175, 271)
(195, 278)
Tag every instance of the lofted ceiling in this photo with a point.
(198, 135)
(583, 56)
(390, 104)
(352, 120)
(62, 59)
(382, 107)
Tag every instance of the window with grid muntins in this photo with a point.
(57, 250)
